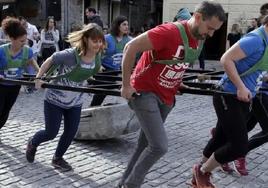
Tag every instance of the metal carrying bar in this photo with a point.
(198, 91)
(106, 89)
(108, 83)
(66, 88)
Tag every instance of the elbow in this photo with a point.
(224, 59)
(130, 49)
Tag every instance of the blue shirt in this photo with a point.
(253, 46)
(113, 54)
(12, 72)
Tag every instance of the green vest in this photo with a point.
(262, 64)
(78, 74)
(190, 54)
(16, 63)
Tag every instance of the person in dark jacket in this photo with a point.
(92, 17)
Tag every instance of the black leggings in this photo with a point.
(259, 114)
(98, 99)
(8, 96)
(231, 136)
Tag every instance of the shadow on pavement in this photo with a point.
(35, 174)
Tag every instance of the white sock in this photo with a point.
(202, 170)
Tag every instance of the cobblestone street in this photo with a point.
(100, 164)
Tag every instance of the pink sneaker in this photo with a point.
(226, 168)
(240, 166)
(212, 132)
(193, 182)
(202, 180)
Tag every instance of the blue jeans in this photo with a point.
(153, 142)
(53, 117)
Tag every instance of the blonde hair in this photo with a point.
(78, 39)
(235, 28)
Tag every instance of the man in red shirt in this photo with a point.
(167, 51)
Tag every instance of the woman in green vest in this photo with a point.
(113, 52)
(14, 57)
(73, 67)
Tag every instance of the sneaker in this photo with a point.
(28, 90)
(212, 132)
(61, 164)
(202, 179)
(193, 182)
(30, 151)
(224, 167)
(240, 166)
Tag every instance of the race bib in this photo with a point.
(11, 72)
(117, 59)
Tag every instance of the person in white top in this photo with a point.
(49, 38)
(32, 34)
(3, 37)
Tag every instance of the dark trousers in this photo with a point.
(231, 136)
(47, 52)
(259, 114)
(8, 96)
(98, 99)
(53, 117)
(201, 59)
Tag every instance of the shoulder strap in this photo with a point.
(113, 40)
(97, 64)
(25, 55)
(183, 35)
(6, 50)
(54, 67)
(185, 44)
(262, 63)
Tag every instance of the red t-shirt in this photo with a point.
(161, 79)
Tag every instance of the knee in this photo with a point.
(240, 151)
(160, 149)
(51, 135)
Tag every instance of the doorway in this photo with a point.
(215, 46)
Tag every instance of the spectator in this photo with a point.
(234, 35)
(3, 37)
(49, 39)
(32, 34)
(254, 25)
(182, 14)
(92, 17)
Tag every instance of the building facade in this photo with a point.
(69, 13)
(237, 11)
(141, 14)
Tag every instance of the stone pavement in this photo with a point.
(99, 164)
